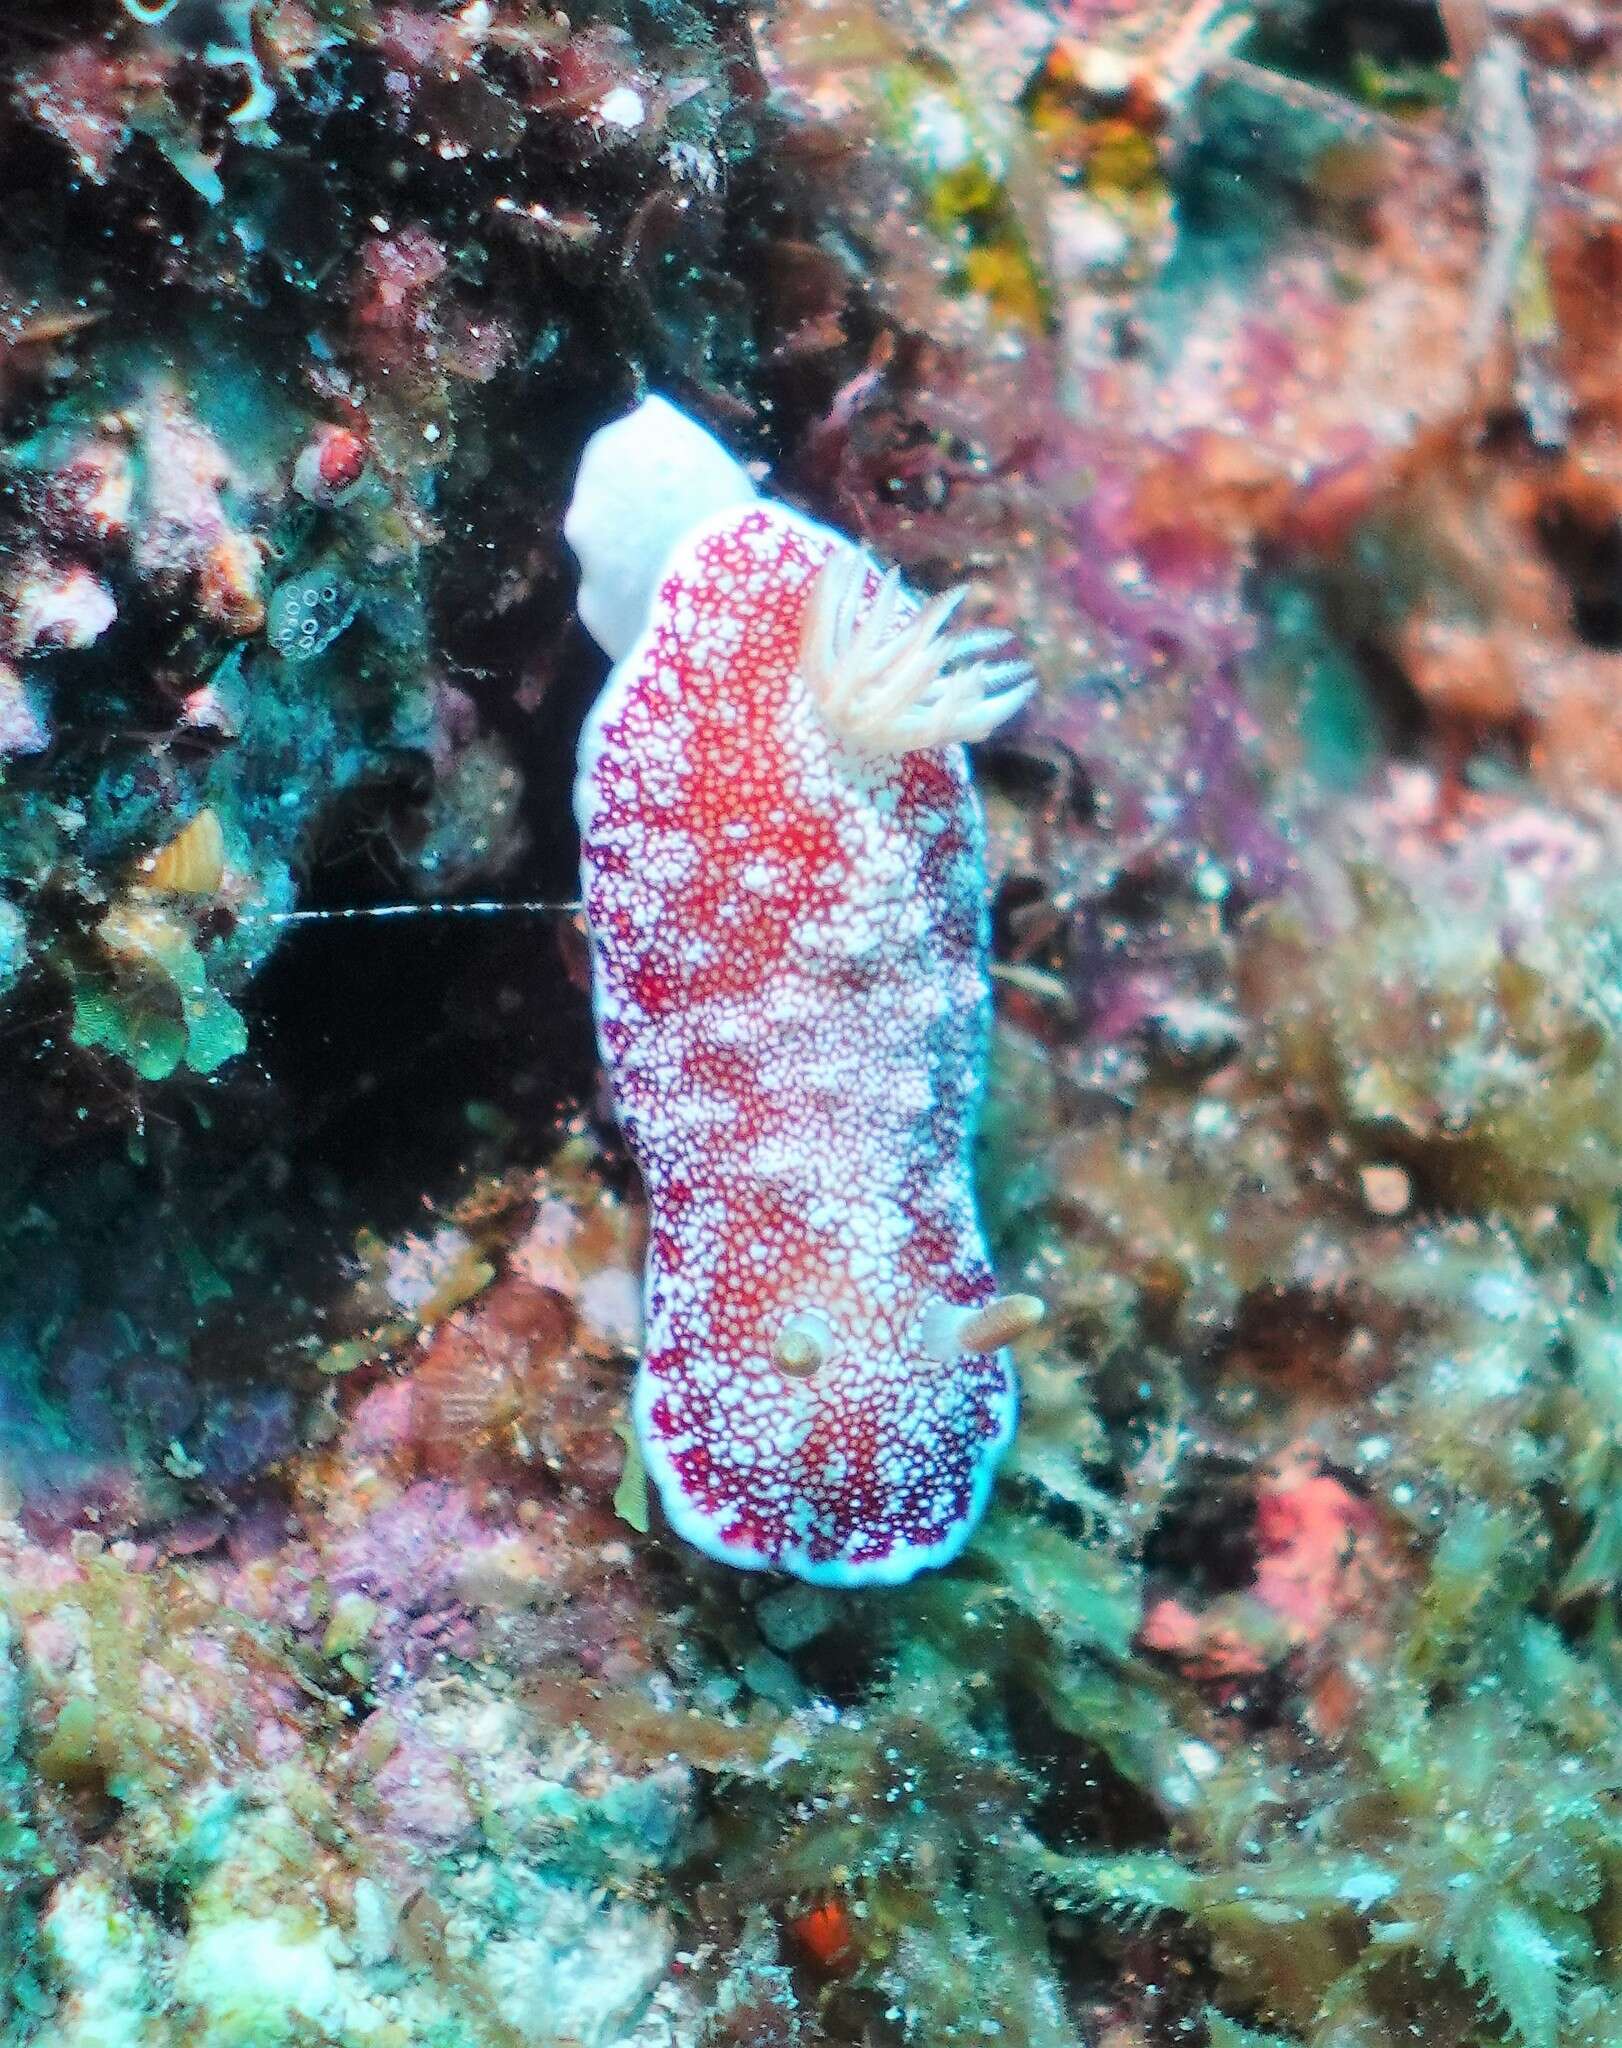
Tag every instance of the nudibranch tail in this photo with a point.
(896, 680)
(783, 864)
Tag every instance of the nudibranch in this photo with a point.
(783, 873)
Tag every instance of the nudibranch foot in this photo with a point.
(895, 680)
(782, 855)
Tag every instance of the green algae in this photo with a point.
(1019, 1780)
(159, 1009)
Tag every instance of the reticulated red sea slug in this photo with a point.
(782, 854)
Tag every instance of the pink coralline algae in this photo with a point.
(70, 608)
(784, 883)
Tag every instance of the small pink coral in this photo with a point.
(88, 496)
(23, 729)
(331, 466)
(59, 607)
(1213, 1645)
(394, 311)
(1311, 1533)
(83, 95)
(186, 539)
(1321, 1568)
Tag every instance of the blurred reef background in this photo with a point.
(1261, 367)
